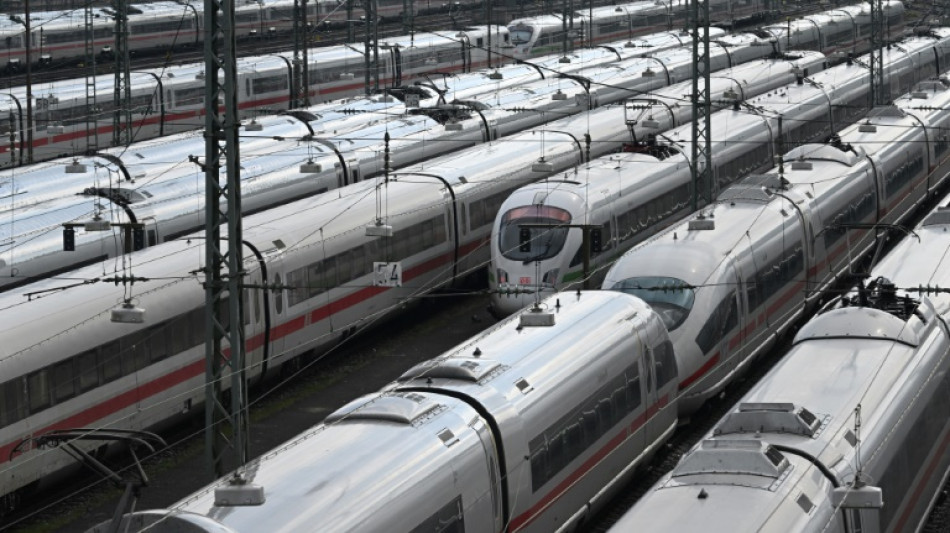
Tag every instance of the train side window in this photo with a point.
(634, 394)
(64, 381)
(37, 387)
(330, 272)
(315, 283)
(197, 328)
(358, 263)
(448, 519)
(297, 282)
(88, 371)
(12, 402)
(157, 346)
(111, 362)
(134, 352)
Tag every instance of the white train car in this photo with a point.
(513, 430)
(274, 166)
(861, 396)
(586, 27)
(844, 30)
(317, 250)
(58, 37)
(729, 281)
(655, 191)
(171, 100)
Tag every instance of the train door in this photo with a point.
(466, 53)
(494, 475)
(661, 418)
(254, 322)
(152, 236)
(397, 66)
(353, 167)
(278, 305)
(650, 395)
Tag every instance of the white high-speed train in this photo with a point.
(520, 428)
(316, 250)
(736, 276)
(318, 255)
(844, 29)
(789, 453)
(60, 36)
(170, 100)
(631, 197)
(283, 159)
(413, 486)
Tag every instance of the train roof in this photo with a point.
(336, 468)
(735, 480)
(603, 180)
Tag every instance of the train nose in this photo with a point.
(508, 299)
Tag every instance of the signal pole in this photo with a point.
(878, 22)
(225, 422)
(301, 39)
(701, 149)
(122, 119)
(92, 113)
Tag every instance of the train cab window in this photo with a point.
(671, 298)
(542, 242)
(520, 34)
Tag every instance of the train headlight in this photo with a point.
(502, 276)
(550, 277)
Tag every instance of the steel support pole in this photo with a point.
(701, 154)
(225, 416)
(122, 98)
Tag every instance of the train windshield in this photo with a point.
(671, 298)
(520, 34)
(520, 243)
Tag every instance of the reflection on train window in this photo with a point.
(565, 440)
(542, 242)
(449, 519)
(723, 319)
(270, 84)
(671, 298)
